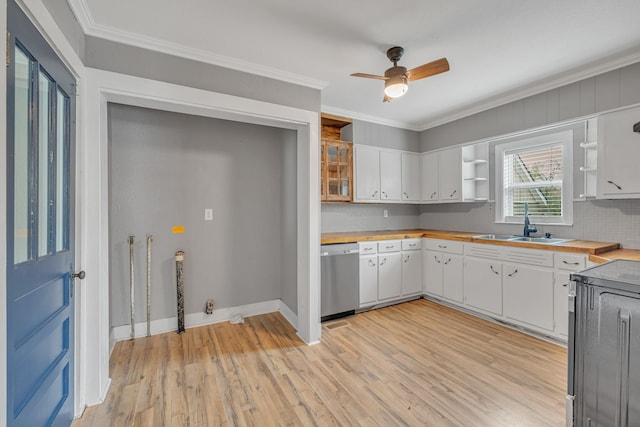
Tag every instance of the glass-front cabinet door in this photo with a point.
(337, 171)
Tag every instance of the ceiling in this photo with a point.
(499, 50)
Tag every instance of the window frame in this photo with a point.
(565, 138)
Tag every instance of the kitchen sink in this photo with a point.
(496, 237)
(544, 240)
(514, 238)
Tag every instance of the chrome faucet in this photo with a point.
(527, 228)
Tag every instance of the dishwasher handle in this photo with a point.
(343, 252)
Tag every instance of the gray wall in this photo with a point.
(64, 17)
(361, 132)
(164, 170)
(603, 220)
(610, 90)
(121, 58)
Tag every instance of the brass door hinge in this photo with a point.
(8, 48)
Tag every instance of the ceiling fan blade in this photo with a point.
(369, 76)
(427, 70)
(387, 98)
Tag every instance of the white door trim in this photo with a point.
(102, 87)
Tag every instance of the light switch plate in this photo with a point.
(208, 214)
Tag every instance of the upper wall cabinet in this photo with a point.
(410, 177)
(383, 175)
(337, 170)
(336, 161)
(441, 173)
(618, 174)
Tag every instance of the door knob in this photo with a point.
(80, 275)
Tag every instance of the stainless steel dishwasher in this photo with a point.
(339, 270)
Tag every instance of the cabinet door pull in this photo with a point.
(492, 270)
(442, 246)
(383, 262)
(411, 245)
(436, 258)
(371, 263)
(433, 194)
(570, 263)
(454, 192)
(374, 193)
(384, 193)
(407, 258)
(447, 261)
(616, 185)
(406, 195)
(513, 274)
(565, 285)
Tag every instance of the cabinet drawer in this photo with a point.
(570, 262)
(411, 244)
(389, 246)
(368, 248)
(442, 245)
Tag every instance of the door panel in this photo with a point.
(40, 253)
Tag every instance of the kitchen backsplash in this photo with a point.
(363, 217)
(599, 220)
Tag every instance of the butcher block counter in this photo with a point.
(580, 246)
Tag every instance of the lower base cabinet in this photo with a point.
(389, 275)
(483, 285)
(443, 275)
(528, 295)
(561, 304)
(411, 273)
(368, 279)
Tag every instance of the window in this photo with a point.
(537, 172)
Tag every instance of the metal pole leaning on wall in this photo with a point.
(149, 240)
(132, 287)
(180, 287)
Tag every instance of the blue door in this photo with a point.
(40, 225)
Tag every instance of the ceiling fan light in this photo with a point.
(396, 86)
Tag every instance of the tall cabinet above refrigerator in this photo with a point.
(604, 346)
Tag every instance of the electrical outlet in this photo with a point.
(385, 213)
(208, 214)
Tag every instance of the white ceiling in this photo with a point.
(499, 50)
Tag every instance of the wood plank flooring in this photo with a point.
(412, 364)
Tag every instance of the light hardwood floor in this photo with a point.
(412, 364)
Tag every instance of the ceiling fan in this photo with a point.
(396, 77)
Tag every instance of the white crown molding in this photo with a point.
(546, 85)
(91, 28)
(367, 118)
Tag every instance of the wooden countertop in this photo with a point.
(628, 254)
(581, 246)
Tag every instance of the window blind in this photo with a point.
(533, 175)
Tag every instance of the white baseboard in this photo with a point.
(160, 326)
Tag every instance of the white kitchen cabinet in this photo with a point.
(528, 295)
(390, 176)
(367, 173)
(411, 272)
(389, 275)
(561, 304)
(452, 276)
(433, 274)
(483, 284)
(450, 173)
(411, 177)
(429, 174)
(618, 174)
(368, 279)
